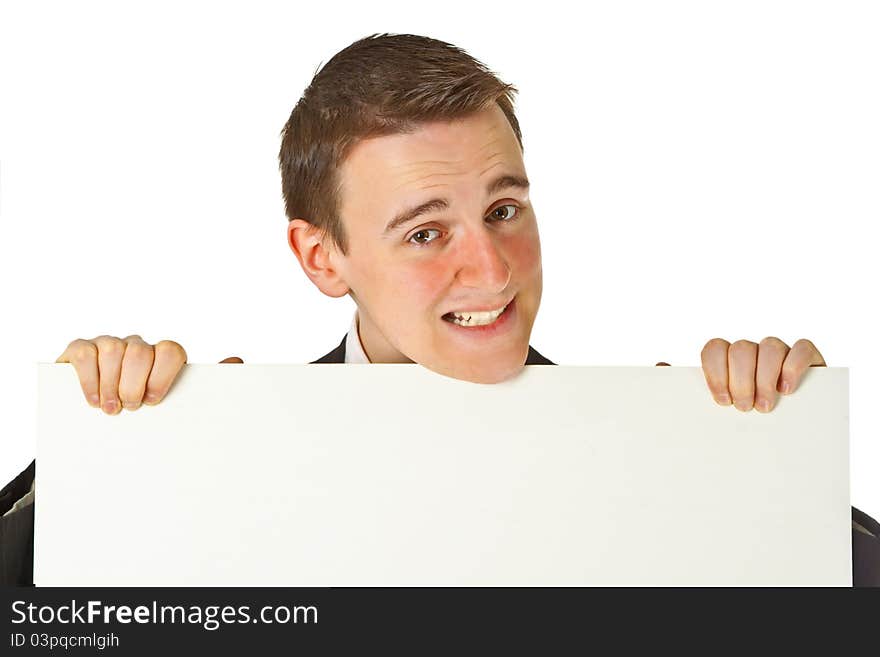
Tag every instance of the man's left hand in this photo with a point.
(749, 375)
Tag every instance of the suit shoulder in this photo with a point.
(17, 531)
(17, 488)
(865, 549)
(535, 358)
(336, 355)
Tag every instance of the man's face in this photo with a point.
(476, 250)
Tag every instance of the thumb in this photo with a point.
(232, 359)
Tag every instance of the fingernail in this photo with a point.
(110, 406)
(724, 399)
(94, 400)
(743, 406)
(130, 406)
(151, 398)
(786, 387)
(764, 405)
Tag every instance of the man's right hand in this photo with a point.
(125, 372)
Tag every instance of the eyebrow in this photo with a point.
(506, 181)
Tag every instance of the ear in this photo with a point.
(316, 259)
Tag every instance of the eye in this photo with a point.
(506, 215)
(423, 232)
(503, 213)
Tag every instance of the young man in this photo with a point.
(405, 187)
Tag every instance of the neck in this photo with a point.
(375, 345)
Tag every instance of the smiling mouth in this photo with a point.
(484, 318)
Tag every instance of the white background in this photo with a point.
(698, 170)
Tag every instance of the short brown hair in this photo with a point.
(382, 84)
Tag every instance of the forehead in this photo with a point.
(434, 154)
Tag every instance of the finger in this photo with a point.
(771, 354)
(714, 360)
(803, 355)
(232, 359)
(136, 365)
(742, 360)
(83, 355)
(169, 359)
(110, 353)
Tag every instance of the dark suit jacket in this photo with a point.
(17, 529)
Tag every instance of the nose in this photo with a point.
(483, 264)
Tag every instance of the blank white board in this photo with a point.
(334, 475)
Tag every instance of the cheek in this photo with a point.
(423, 284)
(524, 253)
(409, 290)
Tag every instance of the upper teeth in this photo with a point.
(475, 318)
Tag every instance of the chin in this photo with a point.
(494, 377)
(494, 372)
